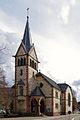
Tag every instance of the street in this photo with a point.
(63, 117)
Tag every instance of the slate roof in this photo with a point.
(63, 86)
(20, 82)
(50, 81)
(37, 92)
(27, 37)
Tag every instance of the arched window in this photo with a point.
(33, 74)
(18, 62)
(56, 94)
(21, 90)
(56, 105)
(24, 61)
(69, 99)
(60, 99)
(35, 66)
(32, 64)
(41, 85)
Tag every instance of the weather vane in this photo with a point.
(27, 12)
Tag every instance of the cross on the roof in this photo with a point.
(27, 12)
(27, 37)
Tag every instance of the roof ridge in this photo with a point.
(50, 81)
(49, 78)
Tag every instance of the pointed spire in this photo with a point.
(27, 37)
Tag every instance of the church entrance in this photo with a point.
(42, 106)
(34, 106)
(38, 106)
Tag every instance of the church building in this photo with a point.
(34, 92)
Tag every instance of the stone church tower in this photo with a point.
(26, 66)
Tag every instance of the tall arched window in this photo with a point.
(22, 61)
(69, 99)
(35, 66)
(18, 62)
(32, 63)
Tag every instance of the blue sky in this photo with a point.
(55, 32)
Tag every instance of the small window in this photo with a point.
(33, 74)
(56, 105)
(21, 72)
(56, 94)
(24, 61)
(21, 90)
(18, 62)
(30, 62)
(60, 99)
(35, 66)
(41, 85)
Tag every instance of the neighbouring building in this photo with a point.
(5, 98)
(66, 98)
(5, 92)
(34, 92)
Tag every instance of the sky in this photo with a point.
(55, 32)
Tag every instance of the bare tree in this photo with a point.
(3, 82)
(4, 91)
(74, 101)
(2, 54)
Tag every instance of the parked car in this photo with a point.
(2, 111)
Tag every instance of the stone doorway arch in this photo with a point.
(42, 106)
(34, 106)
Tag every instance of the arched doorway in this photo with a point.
(42, 106)
(34, 106)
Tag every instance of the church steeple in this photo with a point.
(27, 37)
(26, 67)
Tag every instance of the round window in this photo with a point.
(41, 85)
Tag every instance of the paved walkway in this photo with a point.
(63, 117)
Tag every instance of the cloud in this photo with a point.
(11, 42)
(61, 59)
(65, 10)
(72, 2)
(10, 23)
(76, 83)
(65, 13)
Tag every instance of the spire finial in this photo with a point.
(27, 13)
